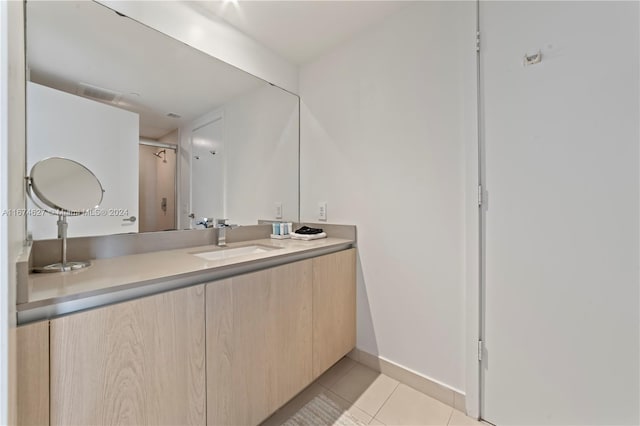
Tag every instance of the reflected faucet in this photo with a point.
(207, 222)
(222, 225)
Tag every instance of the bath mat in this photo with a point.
(321, 411)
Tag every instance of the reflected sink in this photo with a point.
(230, 253)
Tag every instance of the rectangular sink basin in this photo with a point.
(230, 253)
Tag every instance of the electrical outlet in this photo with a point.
(278, 210)
(322, 210)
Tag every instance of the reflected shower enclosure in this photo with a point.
(157, 188)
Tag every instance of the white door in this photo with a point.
(208, 171)
(561, 139)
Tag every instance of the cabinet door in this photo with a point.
(33, 374)
(135, 363)
(334, 308)
(258, 343)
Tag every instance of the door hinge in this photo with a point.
(477, 41)
(479, 195)
(479, 350)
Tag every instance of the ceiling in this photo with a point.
(70, 43)
(300, 31)
(75, 42)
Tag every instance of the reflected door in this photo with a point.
(208, 171)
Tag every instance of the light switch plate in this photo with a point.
(322, 210)
(278, 210)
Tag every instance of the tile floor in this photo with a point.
(374, 399)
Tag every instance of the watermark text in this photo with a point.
(89, 212)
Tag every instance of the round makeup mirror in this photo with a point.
(66, 188)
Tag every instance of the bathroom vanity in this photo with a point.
(192, 341)
(166, 327)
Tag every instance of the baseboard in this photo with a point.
(442, 393)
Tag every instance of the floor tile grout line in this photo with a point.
(341, 376)
(389, 397)
(324, 388)
(353, 364)
(385, 401)
(450, 417)
(341, 397)
(394, 389)
(354, 402)
(375, 418)
(351, 404)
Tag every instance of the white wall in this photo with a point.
(186, 22)
(261, 140)
(102, 138)
(385, 120)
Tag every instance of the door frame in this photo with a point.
(475, 196)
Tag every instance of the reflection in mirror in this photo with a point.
(65, 185)
(157, 186)
(174, 134)
(67, 188)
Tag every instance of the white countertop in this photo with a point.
(111, 275)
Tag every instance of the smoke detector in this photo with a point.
(173, 115)
(98, 93)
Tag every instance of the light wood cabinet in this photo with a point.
(258, 342)
(33, 374)
(334, 308)
(230, 352)
(136, 363)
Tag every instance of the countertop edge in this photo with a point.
(52, 308)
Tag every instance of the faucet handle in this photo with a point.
(221, 222)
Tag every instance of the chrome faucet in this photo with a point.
(222, 225)
(207, 222)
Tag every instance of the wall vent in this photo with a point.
(98, 93)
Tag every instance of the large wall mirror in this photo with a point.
(173, 134)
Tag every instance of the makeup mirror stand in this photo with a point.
(39, 198)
